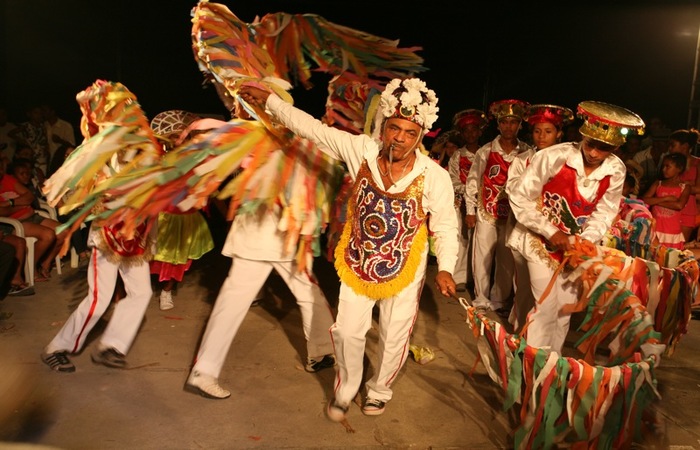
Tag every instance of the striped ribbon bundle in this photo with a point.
(576, 401)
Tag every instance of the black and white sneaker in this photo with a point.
(373, 407)
(110, 358)
(313, 365)
(58, 361)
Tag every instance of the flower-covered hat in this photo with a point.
(470, 116)
(608, 123)
(508, 108)
(554, 114)
(409, 99)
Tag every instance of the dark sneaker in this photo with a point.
(109, 357)
(336, 412)
(373, 407)
(313, 365)
(58, 361)
(21, 291)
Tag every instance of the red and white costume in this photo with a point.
(554, 194)
(394, 274)
(486, 197)
(458, 167)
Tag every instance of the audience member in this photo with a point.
(59, 132)
(32, 133)
(684, 142)
(667, 197)
(19, 199)
(7, 143)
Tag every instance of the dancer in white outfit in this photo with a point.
(546, 122)
(470, 124)
(257, 245)
(112, 255)
(568, 189)
(382, 255)
(488, 209)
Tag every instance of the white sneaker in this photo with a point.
(206, 386)
(166, 300)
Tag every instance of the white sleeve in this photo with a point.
(474, 179)
(525, 192)
(443, 219)
(453, 170)
(336, 143)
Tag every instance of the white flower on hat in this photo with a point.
(416, 103)
(388, 105)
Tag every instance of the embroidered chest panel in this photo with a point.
(494, 202)
(380, 248)
(565, 207)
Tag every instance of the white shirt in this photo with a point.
(438, 197)
(477, 171)
(256, 236)
(525, 193)
(454, 170)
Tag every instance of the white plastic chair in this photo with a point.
(53, 214)
(29, 260)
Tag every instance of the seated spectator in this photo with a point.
(37, 175)
(22, 170)
(16, 200)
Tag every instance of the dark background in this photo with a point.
(637, 55)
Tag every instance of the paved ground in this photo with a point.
(275, 403)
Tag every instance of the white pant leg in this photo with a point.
(460, 274)
(349, 334)
(243, 282)
(101, 280)
(547, 327)
(523, 301)
(484, 248)
(315, 311)
(397, 316)
(129, 311)
(503, 274)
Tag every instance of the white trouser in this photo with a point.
(548, 328)
(489, 241)
(397, 315)
(523, 301)
(238, 292)
(461, 272)
(128, 312)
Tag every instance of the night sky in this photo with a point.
(639, 57)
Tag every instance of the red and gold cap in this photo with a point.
(470, 116)
(554, 114)
(608, 123)
(508, 108)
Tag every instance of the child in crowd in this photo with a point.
(667, 197)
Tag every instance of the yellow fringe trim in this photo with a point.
(372, 289)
